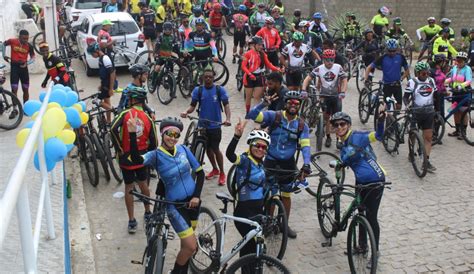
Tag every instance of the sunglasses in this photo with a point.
(341, 124)
(173, 134)
(329, 60)
(260, 146)
(293, 102)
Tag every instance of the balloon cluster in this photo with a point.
(64, 113)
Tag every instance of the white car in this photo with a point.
(80, 9)
(124, 31)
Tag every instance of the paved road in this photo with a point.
(426, 224)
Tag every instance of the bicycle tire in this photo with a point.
(185, 82)
(6, 107)
(276, 228)
(99, 151)
(205, 240)
(144, 60)
(222, 75)
(199, 151)
(375, 111)
(220, 43)
(152, 79)
(326, 206)
(320, 133)
(230, 183)
(468, 133)
(320, 162)
(37, 39)
(113, 162)
(364, 105)
(239, 77)
(390, 136)
(188, 138)
(438, 129)
(156, 260)
(166, 85)
(72, 82)
(417, 150)
(360, 77)
(89, 158)
(358, 223)
(262, 261)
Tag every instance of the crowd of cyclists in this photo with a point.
(270, 46)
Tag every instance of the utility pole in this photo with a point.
(312, 7)
(442, 12)
(51, 25)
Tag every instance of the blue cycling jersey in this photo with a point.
(254, 188)
(210, 107)
(391, 67)
(175, 171)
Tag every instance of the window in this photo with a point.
(119, 28)
(88, 4)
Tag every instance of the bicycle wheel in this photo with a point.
(438, 129)
(185, 82)
(260, 264)
(111, 158)
(156, 254)
(230, 181)
(417, 153)
(222, 73)
(390, 136)
(88, 157)
(199, 151)
(408, 52)
(220, 43)
(152, 79)
(9, 103)
(100, 154)
(166, 88)
(361, 246)
(375, 112)
(209, 238)
(320, 133)
(275, 231)
(326, 208)
(37, 39)
(320, 168)
(364, 105)
(467, 132)
(144, 58)
(360, 77)
(188, 138)
(239, 77)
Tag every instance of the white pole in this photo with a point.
(26, 235)
(51, 26)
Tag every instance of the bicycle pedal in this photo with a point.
(171, 235)
(136, 262)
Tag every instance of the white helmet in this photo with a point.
(303, 23)
(258, 134)
(462, 55)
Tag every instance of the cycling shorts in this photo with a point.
(284, 179)
(424, 119)
(214, 137)
(182, 219)
(131, 176)
(426, 45)
(331, 105)
(149, 33)
(159, 27)
(19, 74)
(239, 39)
(394, 90)
(217, 31)
(258, 82)
(104, 93)
(273, 58)
(294, 78)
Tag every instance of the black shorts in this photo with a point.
(294, 78)
(459, 96)
(284, 179)
(19, 74)
(394, 90)
(214, 137)
(424, 119)
(159, 27)
(331, 105)
(217, 31)
(258, 82)
(149, 33)
(239, 39)
(135, 175)
(273, 58)
(104, 93)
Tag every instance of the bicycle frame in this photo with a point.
(467, 99)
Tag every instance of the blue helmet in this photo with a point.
(200, 21)
(317, 15)
(242, 8)
(391, 44)
(93, 47)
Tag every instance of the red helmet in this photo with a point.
(217, 6)
(329, 53)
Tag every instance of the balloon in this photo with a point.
(67, 89)
(34, 115)
(30, 124)
(58, 86)
(53, 105)
(55, 149)
(69, 147)
(42, 95)
(22, 136)
(67, 136)
(73, 117)
(31, 106)
(49, 164)
(53, 122)
(71, 98)
(84, 118)
(78, 107)
(83, 105)
(59, 96)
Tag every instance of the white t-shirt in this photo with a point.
(422, 91)
(295, 55)
(329, 78)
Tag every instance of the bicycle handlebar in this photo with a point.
(206, 120)
(139, 195)
(359, 187)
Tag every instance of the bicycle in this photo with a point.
(195, 69)
(362, 250)
(164, 79)
(239, 76)
(370, 100)
(312, 114)
(8, 104)
(123, 54)
(221, 45)
(210, 234)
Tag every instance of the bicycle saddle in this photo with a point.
(224, 197)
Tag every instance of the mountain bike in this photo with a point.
(312, 113)
(164, 81)
(9, 105)
(239, 76)
(195, 70)
(123, 54)
(210, 233)
(221, 45)
(370, 100)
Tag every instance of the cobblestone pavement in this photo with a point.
(426, 224)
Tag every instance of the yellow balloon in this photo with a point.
(67, 126)
(84, 118)
(77, 107)
(33, 117)
(54, 121)
(53, 105)
(22, 136)
(67, 136)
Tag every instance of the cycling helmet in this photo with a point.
(200, 21)
(431, 19)
(445, 30)
(269, 20)
(257, 134)
(462, 55)
(329, 53)
(303, 23)
(137, 93)
(257, 40)
(142, 4)
(169, 25)
(397, 21)
(367, 31)
(93, 47)
(297, 13)
(439, 58)
(340, 116)
(137, 69)
(170, 122)
(43, 45)
(391, 44)
(217, 6)
(164, 2)
(384, 10)
(421, 66)
(197, 11)
(298, 36)
(261, 5)
(464, 32)
(317, 15)
(350, 14)
(242, 8)
(446, 21)
(292, 94)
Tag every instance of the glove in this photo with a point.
(43, 85)
(306, 169)
(56, 79)
(252, 77)
(342, 95)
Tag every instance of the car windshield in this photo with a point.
(88, 4)
(118, 28)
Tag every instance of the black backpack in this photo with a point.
(277, 123)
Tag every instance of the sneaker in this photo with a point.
(132, 226)
(147, 216)
(233, 60)
(211, 174)
(454, 134)
(291, 233)
(13, 114)
(222, 179)
(328, 142)
(430, 168)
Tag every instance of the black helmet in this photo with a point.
(197, 10)
(137, 93)
(340, 116)
(138, 69)
(292, 94)
(439, 58)
(464, 32)
(367, 31)
(167, 26)
(171, 122)
(257, 40)
(297, 13)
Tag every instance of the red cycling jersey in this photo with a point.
(270, 37)
(215, 19)
(252, 63)
(19, 51)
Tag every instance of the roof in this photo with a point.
(112, 16)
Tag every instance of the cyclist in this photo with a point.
(274, 86)
(351, 31)
(112, 6)
(184, 8)
(162, 15)
(197, 14)
(253, 65)
(312, 39)
(108, 81)
(147, 22)
(258, 18)
(210, 98)
(147, 141)
(249, 178)
(271, 39)
(174, 163)
(460, 80)
(396, 32)
(357, 153)
(430, 31)
(380, 21)
(295, 21)
(240, 31)
(286, 131)
(139, 74)
(419, 94)
(391, 65)
(54, 66)
(20, 49)
(104, 38)
(317, 26)
(438, 71)
(30, 9)
(332, 84)
(217, 22)
(293, 60)
(465, 40)
(184, 30)
(370, 48)
(445, 22)
(442, 44)
(280, 23)
(133, 8)
(279, 6)
(200, 43)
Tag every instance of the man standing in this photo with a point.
(274, 86)
(209, 98)
(56, 69)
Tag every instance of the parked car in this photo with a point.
(80, 9)
(124, 32)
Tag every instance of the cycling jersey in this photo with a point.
(215, 19)
(391, 67)
(451, 34)
(271, 38)
(439, 76)
(295, 55)
(201, 43)
(313, 39)
(284, 138)
(318, 28)
(111, 7)
(280, 24)
(184, 32)
(209, 105)
(106, 67)
(192, 22)
(250, 188)
(160, 14)
(258, 18)
(185, 7)
(393, 33)
(19, 52)
(166, 45)
(255, 62)
(460, 77)
(133, 6)
(148, 20)
(421, 91)
(351, 29)
(379, 23)
(239, 21)
(329, 78)
(443, 46)
(55, 68)
(429, 31)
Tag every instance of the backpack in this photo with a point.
(277, 122)
(245, 182)
(218, 92)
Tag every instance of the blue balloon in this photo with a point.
(71, 98)
(29, 124)
(73, 117)
(69, 147)
(59, 96)
(83, 105)
(42, 95)
(58, 86)
(55, 149)
(31, 106)
(49, 164)
(67, 89)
